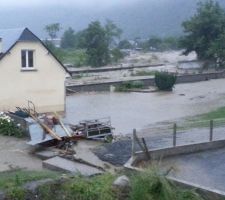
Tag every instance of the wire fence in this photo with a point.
(179, 134)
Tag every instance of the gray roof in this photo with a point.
(11, 36)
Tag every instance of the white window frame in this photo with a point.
(27, 67)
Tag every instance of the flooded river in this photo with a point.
(138, 110)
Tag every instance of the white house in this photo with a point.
(29, 72)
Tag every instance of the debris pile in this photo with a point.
(57, 139)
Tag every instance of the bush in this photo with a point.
(165, 81)
(126, 86)
(151, 185)
(80, 188)
(145, 185)
(8, 127)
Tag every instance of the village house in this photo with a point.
(29, 72)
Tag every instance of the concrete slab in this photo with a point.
(46, 154)
(83, 151)
(204, 168)
(62, 164)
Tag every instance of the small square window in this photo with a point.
(27, 59)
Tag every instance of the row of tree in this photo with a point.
(98, 41)
(204, 34)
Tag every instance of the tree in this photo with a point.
(80, 39)
(116, 55)
(52, 30)
(204, 31)
(68, 39)
(97, 41)
(155, 43)
(217, 49)
(97, 47)
(125, 44)
(56, 51)
(112, 32)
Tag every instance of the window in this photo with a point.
(27, 59)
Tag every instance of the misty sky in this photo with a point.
(80, 3)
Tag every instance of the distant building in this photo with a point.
(29, 71)
(56, 41)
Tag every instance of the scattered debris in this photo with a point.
(93, 129)
(58, 139)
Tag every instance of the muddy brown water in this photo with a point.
(138, 110)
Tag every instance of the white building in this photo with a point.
(29, 71)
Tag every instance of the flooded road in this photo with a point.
(138, 110)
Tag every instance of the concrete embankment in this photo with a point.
(147, 81)
(74, 72)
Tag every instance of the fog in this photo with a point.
(83, 3)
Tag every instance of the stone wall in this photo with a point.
(99, 87)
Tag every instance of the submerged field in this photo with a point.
(139, 110)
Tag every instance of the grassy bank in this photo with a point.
(216, 114)
(203, 120)
(147, 185)
(15, 178)
(127, 86)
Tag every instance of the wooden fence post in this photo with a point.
(211, 131)
(146, 149)
(143, 148)
(132, 147)
(174, 134)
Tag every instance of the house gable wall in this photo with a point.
(45, 86)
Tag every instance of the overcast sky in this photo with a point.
(80, 3)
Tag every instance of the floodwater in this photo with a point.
(139, 110)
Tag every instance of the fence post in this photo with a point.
(132, 147)
(140, 144)
(174, 134)
(211, 131)
(146, 149)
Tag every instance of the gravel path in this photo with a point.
(117, 153)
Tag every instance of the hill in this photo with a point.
(141, 18)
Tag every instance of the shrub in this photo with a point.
(126, 86)
(165, 81)
(16, 193)
(8, 127)
(80, 188)
(151, 185)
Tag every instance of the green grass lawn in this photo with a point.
(216, 114)
(146, 185)
(203, 120)
(17, 178)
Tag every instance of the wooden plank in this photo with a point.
(62, 125)
(45, 127)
